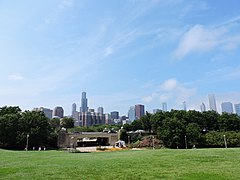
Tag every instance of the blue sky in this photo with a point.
(121, 52)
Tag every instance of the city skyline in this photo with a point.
(121, 53)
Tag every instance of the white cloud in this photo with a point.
(198, 38)
(169, 85)
(15, 77)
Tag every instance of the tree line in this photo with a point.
(179, 128)
(28, 129)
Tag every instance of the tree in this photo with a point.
(67, 122)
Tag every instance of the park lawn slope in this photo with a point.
(128, 164)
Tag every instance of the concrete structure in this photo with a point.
(237, 108)
(212, 102)
(81, 139)
(58, 112)
(139, 109)
(227, 107)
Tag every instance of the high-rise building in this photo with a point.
(131, 113)
(227, 107)
(58, 112)
(84, 103)
(184, 106)
(212, 102)
(156, 111)
(237, 108)
(139, 109)
(164, 107)
(203, 107)
(74, 108)
(46, 111)
(100, 110)
(115, 115)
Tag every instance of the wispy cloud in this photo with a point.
(199, 38)
(15, 77)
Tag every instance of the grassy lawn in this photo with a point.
(129, 164)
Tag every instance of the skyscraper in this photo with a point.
(48, 112)
(237, 108)
(131, 113)
(227, 107)
(164, 107)
(203, 107)
(100, 110)
(84, 102)
(115, 115)
(212, 102)
(184, 106)
(74, 108)
(58, 112)
(139, 109)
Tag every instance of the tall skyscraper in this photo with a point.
(58, 112)
(84, 102)
(74, 108)
(139, 109)
(164, 107)
(131, 113)
(227, 107)
(203, 107)
(184, 106)
(212, 102)
(100, 110)
(237, 108)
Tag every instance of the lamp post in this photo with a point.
(27, 142)
(153, 142)
(225, 141)
(185, 141)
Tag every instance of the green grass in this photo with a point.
(145, 164)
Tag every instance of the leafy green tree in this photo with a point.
(193, 134)
(67, 122)
(172, 133)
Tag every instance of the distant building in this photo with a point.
(100, 110)
(108, 119)
(227, 107)
(237, 108)
(115, 115)
(58, 112)
(139, 109)
(164, 107)
(48, 112)
(203, 107)
(75, 115)
(131, 113)
(212, 102)
(92, 118)
(184, 106)
(156, 111)
(84, 103)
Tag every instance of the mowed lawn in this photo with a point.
(127, 164)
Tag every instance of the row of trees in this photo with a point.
(29, 128)
(179, 128)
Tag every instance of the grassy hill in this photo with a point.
(129, 164)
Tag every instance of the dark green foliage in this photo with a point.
(16, 126)
(178, 128)
(67, 122)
